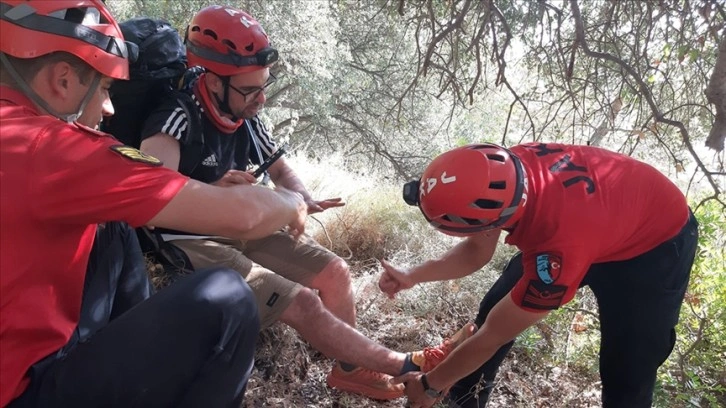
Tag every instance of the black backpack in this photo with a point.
(157, 74)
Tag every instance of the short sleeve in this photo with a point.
(83, 177)
(169, 118)
(550, 279)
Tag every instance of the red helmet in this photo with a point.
(84, 28)
(470, 189)
(228, 41)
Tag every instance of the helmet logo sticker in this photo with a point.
(231, 12)
(447, 180)
(431, 183)
(245, 22)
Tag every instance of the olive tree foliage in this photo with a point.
(343, 68)
(393, 82)
(635, 76)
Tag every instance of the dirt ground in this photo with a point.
(288, 373)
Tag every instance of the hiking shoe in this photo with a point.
(430, 357)
(371, 384)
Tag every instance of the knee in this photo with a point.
(335, 275)
(224, 290)
(305, 307)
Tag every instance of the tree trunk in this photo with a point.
(716, 94)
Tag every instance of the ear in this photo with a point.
(62, 79)
(214, 83)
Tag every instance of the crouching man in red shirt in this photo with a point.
(580, 216)
(192, 344)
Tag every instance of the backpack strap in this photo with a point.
(175, 262)
(195, 134)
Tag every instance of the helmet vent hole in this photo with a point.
(196, 29)
(229, 44)
(496, 157)
(488, 204)
(498, 185)
(210, 33)
(250, 47)
(461, 220)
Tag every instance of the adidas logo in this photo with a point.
(210, 161)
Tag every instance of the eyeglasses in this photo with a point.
(254, 91)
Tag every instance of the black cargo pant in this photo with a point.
(639, 302)
(190, 345)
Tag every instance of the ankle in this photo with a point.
(409, 365)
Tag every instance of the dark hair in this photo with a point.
(28, 68)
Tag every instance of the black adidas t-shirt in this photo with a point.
(250, 144)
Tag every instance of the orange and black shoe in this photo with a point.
(430, 357)
(371, 384)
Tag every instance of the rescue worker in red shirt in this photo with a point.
(190, 345)
(581, 216)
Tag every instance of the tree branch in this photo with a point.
(642, 88)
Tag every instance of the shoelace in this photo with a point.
(435, 355)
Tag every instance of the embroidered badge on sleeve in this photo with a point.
(549, 266)
(542, 296)
(136, 155)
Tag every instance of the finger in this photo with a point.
(409, 376)
(388, 289)
(331, 205)
(239, 179)
(249, 177)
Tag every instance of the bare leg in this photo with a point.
(336, 290)
(337, 339)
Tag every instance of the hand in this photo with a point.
(297, 226)
(234, 178)
(320, 206)
(394, 280)
(417, 397)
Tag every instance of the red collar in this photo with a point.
(225, 125)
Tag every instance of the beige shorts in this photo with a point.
(275, 267)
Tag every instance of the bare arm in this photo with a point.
(462, 260)
(164, 148)
(505, 321)
(242, 211)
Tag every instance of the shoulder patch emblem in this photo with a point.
(549, 266)
(136, 155)
(543, 297)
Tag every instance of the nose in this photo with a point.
(107, 107)
(261, 97)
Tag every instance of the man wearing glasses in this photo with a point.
(283, 272)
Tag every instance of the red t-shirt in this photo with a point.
(586, 205)
(57, 181)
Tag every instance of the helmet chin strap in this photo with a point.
(224, 102)
(30, 93)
